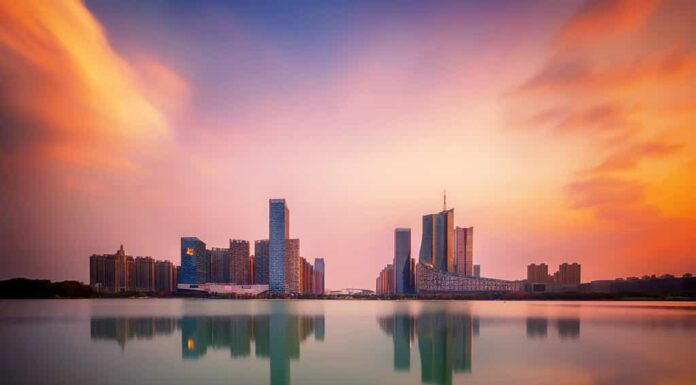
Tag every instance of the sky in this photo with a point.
(561, 131)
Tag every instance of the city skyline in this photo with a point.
(562, 131)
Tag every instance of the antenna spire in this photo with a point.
(444, 200)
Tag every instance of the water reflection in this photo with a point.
(445, 343)
(276, 336)
(568, 328)
(433, 343)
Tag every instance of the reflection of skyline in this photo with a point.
(445, 343)
(276, 336)
(568, 328)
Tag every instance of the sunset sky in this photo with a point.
(561, 130)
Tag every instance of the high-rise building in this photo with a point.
(165, 277)
(437, 244)
(385, 281)
(320, 267)
(279, 232)
(220, 265)
(261, 262)
(240, 269)
(292, 266)
(145, 274)
(306, 277)
(119, 272)
(195, 261)
(477, 271)
(538, 273)
(464, 250)
(569, 274)
(402, 261)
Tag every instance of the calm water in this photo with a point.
(345, 342)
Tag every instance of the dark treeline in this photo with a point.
(18, 288)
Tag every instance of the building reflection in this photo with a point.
(568, 328)
(124, 329)
(276, 336)
(444, 343)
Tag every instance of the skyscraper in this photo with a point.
(240, 264)
(292, 265)
(428, 247)
(195, 261)
(320, 267)
(464, 250)
(437, 244)
(279, 231)
(261, 262)
(402, 261)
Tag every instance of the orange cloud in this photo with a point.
(632, 110)
(598, 19)
(628, 158)
(67, 95)
(581, 75)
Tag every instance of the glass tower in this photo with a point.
(279, 226)
(195, 262)
(402, 261)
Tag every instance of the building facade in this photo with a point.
(240, 261)
(402, 261)
(279, 232)
(320, 269)
(477, 271)
(119, 272)
(569, 274)
(195, 261)
(145, 274)
(464, 250)
(292, 266)
(430, 280)
(437, 243)
(538, 273)
(220, 265)
(385, 281)
(261, 262)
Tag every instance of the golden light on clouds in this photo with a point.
(78, 100)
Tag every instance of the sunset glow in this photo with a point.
(561, 131)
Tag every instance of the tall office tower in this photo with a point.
(145, 274)
(195, 261)
(320, 267)
(402, 261)
(477, 271)
(318, 282)
(261, 262)
(444, 257)
(240, 270)
(569, 274)
(537, 273)
(279, 231)
(292, 265)
(428, 246)
(437, 243)
(220, 265)
(464, 250)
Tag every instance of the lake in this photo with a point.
(199, 341)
